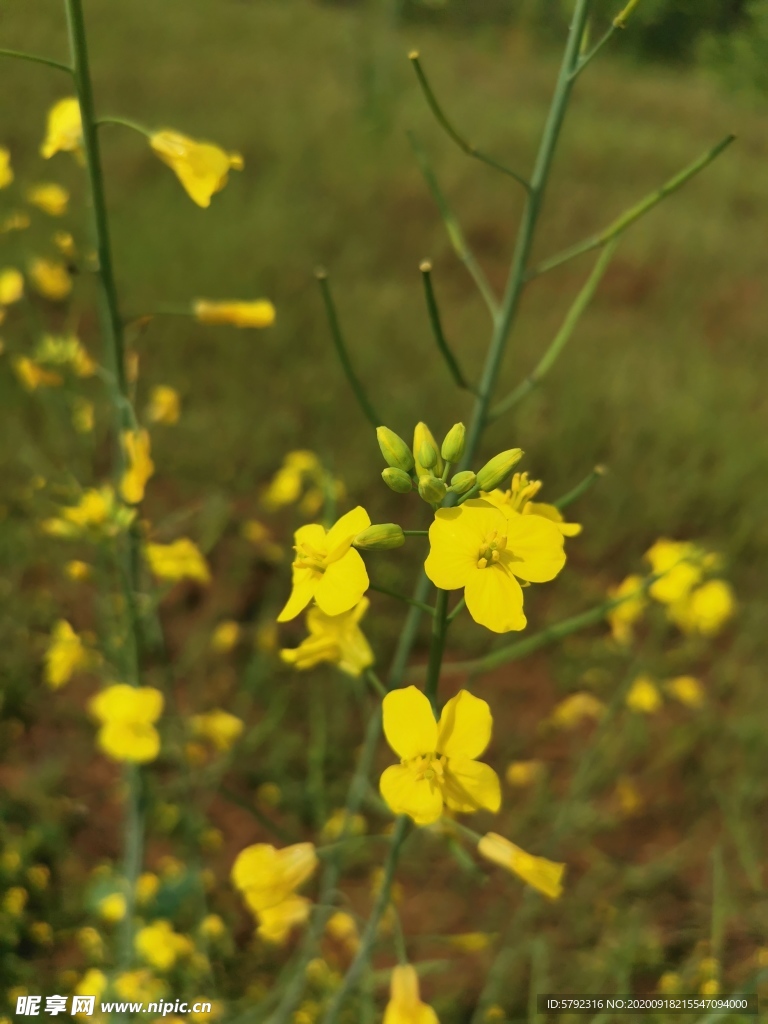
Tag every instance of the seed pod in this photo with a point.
(453, 445)
(463, 482)
(396, 452)
(497, 469)
(397, 480)
(380, 537)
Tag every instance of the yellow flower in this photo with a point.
(66, 350)
(341, 822)
(66, 655)
(50, 198)
(42, 933)
(405, 1005)
(65, 129)
(268, 879)
(38, 876)
(706, 609)
(577, 708)
(470, 942)
(644, 696)
(327, 567)
(286, 485)
(98, 510)
(33, 376)
(623, 617)
(92, 983)
(342, 927)
(140, 466)
(225, 636)
(50, 278)
(164, 405)
(15, 221)
(112, 908)
(139, 986)
(147, 887)
(180, 560)
(254, 313)
(14, 900)
(628, 796)
(523, 773)
(333, 638)
(6, 172)
(159, 945)
(678, 579)
(483, 549)
(218, 726)
(65, 243)
(518, 498)
(201, 167)
(127, 715)
(77, 570)
(212, 927)
(437, 760)
(544, 875)
(687, 690)
(269, 793)
(11, 286)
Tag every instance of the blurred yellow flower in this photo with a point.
(201, 167)
(405, 1005)
(337, 639)
(286, 485)
(77, 570)
(544, 875)
(65, 243)
(269, 793)
(212, 927)
(179, 560)
(268, 878)
(98, 510)
(66, 350)
(164, 405)
(41, 932)
(622, 618)
(524, 773)
(342, 927)
(6, 171)
(706, 609)
(66, 655)
(225, 636)
(670, 983)
(139, 465)
(327, 567)
(147, 887)
(255, 313)
(33, 376)
(438, 763)
(628, 797)
(484, 549)
(11, 286)
(17, 220)
(687, 689)
(643, 696)
(266, 637)
(112, 908)
(51, 198)
(50, 278)
(83, 415)
(470, 942)
(578, 708)
(139, 986)
(341, 822)
(15, 900)
(219, 726)
(159, 945)
(38, 876)
(127, 715)
(681, 565)
(65, 129)
(92, 983)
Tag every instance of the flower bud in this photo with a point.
(381, 537)
(498, 468)
(423, 434)
(544, 875)
(396, 452)
(427, 455)
(431, 489)
(396, 480)
(463, 482)
(453, 445)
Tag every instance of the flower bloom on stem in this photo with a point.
(139, 465)
(268, 879)
(680, 562)
(201, 167)
(65, 129)
(257, 313)
(97, 511)
(437, 759)
(704, 610)
(327, 567)
(337, 639)
(11, 286)
(518, 498)
(483, 549)
(405, 1005)
(159, 945)
(50, 278)
(66, 655)
(33, 376)
(127, 715)
(51, 198)
(644, 696)
(634, 602)
(218, 726)
(544, 875)
(179, 560)
(6, 171)
(66, 350)
(164, 405)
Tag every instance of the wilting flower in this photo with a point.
(33, 376)
(11, 286)
(544, 875)
(257, 313)
(337, 639)
(437, 759)
(687, 689)
(268, 879)
(405, 1005)
(50, 278)
(644, 696)
(127, 715)
(483, 549)
(622, 618)
(164, 405)
(50, 198)
(519, 499)
(220, 727)
(139, 468)
(6, 172)
(577, 708)
(327, 567)
(201, 167)
(704, 610)
(66, 655)
(179, 560)
(65, 129)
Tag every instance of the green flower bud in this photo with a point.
(397, 480)
(453, 445)
(431, 489)
(423, 434)
(463, 482)
(498, 469)
(394, 449)
(381, 537)
(427, 455)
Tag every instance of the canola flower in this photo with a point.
(519, 499)
(287, 484)
(624, 617)
(220, 727)
(51, 198)
(680, 565)
(160, 946)
(327, 567)
(33, 376)
(486, 550)
(405, 1005)
(179, 560)
(50, 278)
(66, 655)
(6, 171)
(572, 711)
(438, 765)
(523, 773)
(643, 696)
(267, 879)
(704, 610)
(687, 690)
(127, 717)
(99, 511)
(65, 129)
(139, 465)
(226, 636)
(336, 639)
(201, 167)
(66, 350)
(255, 313)
(544, 875)
(11, 286)
(164, 405)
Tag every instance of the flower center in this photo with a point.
(429, 766)
(489, 553)
(308, 557)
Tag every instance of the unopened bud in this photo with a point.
(423, 435)
(381, 537)
(431, 489)
(397, 480)
(396, 452)
(463, 482)
(427, 455)
(453, 445)
(498, 469)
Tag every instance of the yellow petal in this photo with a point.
(404, 793)
(471, 786)
(297, 863)
(405, 1005)
(495, 599)
(409, 724)
(276, 923)
(544, 875)
(135, 742)
(465, 726)
(342, 584)
(304, 583)
(346, 528)
(534, 548)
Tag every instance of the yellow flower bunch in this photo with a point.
(179, 560)
(127, 716)
(160, 946)
(98, 512)
(164, 405)
(220, 727)
(268, 878)
(33, 376)
(6, 171)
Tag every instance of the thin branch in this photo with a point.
(581, 488)
(590, 55)
(124, 122)
(401, 597)
(437, 328)
(35, 58)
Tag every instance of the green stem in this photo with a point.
(415, 533)
(422, 605)
(580, 488)
(590, 55)
(341, 350)
(368, 937)
(124, 122)
(457, 610)
(446, 125)
(375, 682)
(437, 647)
(35, 58)
(437, 328)
(132, 857)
